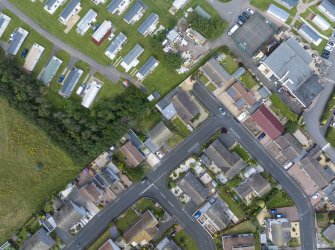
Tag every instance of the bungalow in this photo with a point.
(4, 21)
(86, 22)
(321, 22)
(328, 8)
(17, 40)
(40, 240)
(71, 9)
(143, 231)
(33, 56)
(131, 59)
(133, 157)
(166, 107)
(158, 136)
(107, 177)
(149, 25)
(185, 106)
(109, 245)
(241, 98)
(118, 6)
(104, 30)
(167, 244)
(50, 70)
(135, 13)
(115, 45)
(147, 68)
(278, 231)
(70, 82)
(52, 5)
(289, 4)
(310, 34)
(214, 71)
(239, 241)
(278, 13)
(90, 92)
(97, 2)
(178, 4)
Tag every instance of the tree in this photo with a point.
(158, 39)
(291, 126)
(173, 61)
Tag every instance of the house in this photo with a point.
(147, 68)
(238, 242)
(52, 5)
(310, 34)
(158, 136)
(241, 97)
(70, 82)
(329, 232)
(289, 4)
(97, 2)
(196, 36)
(33, 56)
(291, 66)
(90, 92)
(167, 244)
(214, 71)
(178, 4)
(268, 122)
(167, 108)
(70, 10)
(133, 157)
(92, 193)
(278, 13)
(109, 245)
(193, 188)
(286, 149)
(50, 70)
(321, 22)
(86, 22)
(118, 6)
(214, 217)
(69, 216)
(17, 40)
(185, 106)
(104, 30)
(229, 162)
(254, 185)
(149, 25)
(40, 240)
(107, 177)
(134, 13)
(143, 231)
(278, 231)
(131, 59)
(327, 7)
(4, 21)
(116, 45)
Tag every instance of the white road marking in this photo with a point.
(170, 203)
(326, 146)
(163, 195)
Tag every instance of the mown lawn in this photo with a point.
(181, 126)
(126, 220)
(248, 80)
(243, 227)
(230, 64)
(330, 136)
(149, 204)
(233, 205)
(101, 240)
(238, 149)
(279, 199)
(185, 241)
(24, 186)
(281, 109)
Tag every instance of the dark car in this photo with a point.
(61, 78)
(325, 56)
(306, 47)
(24, 53)
(242, 19)
(273, 211)
(327, 52)
(261, 136)
(144, 180)
(246, 14)
(238, 21)
(224, 131)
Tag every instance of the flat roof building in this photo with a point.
(91, 91)
(104, 30)
(70, 82)
(4, 21)
(118, 6)
(50, 70)
(134, 13)
(52, 5)
(328, 8)
(70, 10)
(131, 59)
(86, 22)
(33, 56)
(310, 34)
(149, 25)
(278, 13)
(321, 22)
(116, 45)
(147, 68)
(15, 44)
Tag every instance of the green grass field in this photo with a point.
(24, 187)
(281, 109)
(248, 80)
(330, 136)
(185, 241)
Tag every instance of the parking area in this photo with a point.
(253, 33)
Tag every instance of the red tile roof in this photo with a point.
(268, 122)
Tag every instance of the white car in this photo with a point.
(315, 196)
(329, 48)
(159, 154)
(250, 11)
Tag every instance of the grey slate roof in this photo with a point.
(70, 82)
(166, 108)
(50, 3)
(278, 12)
(193, 188)
(133, 11)
(288, 3)
(217, 74)
(69, 8)
(329, 6)
(217, 213)
(310, 32)
(321, 177)
(113, 6)
(68, 216)
(160, 134)
(13, 45)
(50, 71)
(118, 41)
(147, 66)
(329, 233)
(185, 106)
(133, 54)
(151, 19)
(280, 232)
(38, 241)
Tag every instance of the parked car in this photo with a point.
(61, 78)
(326, 52)
(246, 14)
(315, 196)
(24, 53)
(329, 48)
(144, 180)
(273, 211)
(325, 56)
(222, 110)
(261, 136)
(279, 216)
(159, 154)
(306, 47)
(250, 11)
(224, 131)
(330, 43)
(242, 18)
(238, 21)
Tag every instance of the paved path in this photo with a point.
(110, 72)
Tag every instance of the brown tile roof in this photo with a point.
(268, 122)
(302, 177)
(109, 245)
(133, 156)
(145, 229)
(91, 192)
